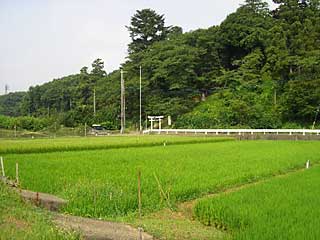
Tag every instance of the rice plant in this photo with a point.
(282, 208)
(103, 183)
(93, 143)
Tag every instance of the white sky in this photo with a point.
(45, 39)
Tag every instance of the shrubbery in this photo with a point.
(27, 123)
(230, 110)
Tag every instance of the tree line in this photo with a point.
(259, 68)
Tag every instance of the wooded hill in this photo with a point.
(259, 69)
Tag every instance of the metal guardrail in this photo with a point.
(233, 131)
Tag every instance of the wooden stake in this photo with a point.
(139, 192)
(140, 233)
(17, 173)
(37, 199)
(308, 164)
(95, 199)
(2, 167)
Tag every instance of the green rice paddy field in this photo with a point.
(283, 208)
(95, 143)
(101, 181)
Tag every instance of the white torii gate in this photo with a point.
(154, 119)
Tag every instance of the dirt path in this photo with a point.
(50, 202)
(99, 230)
(186, 208)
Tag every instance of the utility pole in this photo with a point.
(124, 105)
(15, 131)
(140, 100)
(315, 118)
(6, 89)
(94, 101)
(123, 110)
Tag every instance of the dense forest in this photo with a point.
(257, 69)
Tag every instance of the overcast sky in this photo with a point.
(45, 39)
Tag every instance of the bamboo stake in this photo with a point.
(95, 199)
(163, 195)
(139, 192)
(17, 173)
(140, 233)
(2, 167)
(37, 199)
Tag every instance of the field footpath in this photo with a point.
(92, 229)
(48, 201)
(191, 228)
(186, 208)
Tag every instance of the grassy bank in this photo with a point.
(19, 220)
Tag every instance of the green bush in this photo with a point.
(231, 110)
(27, 123)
